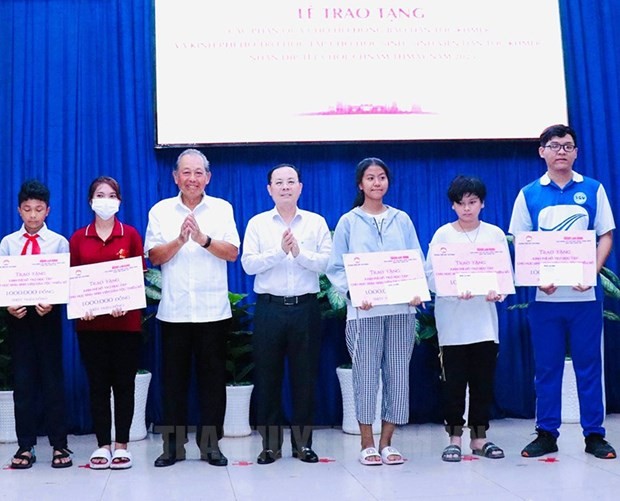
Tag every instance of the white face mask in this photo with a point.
(105, 208)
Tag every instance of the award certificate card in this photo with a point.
(34, 279)
(101, 287)
(474, 267)
(393, 277)
(477, 284)
(555, 257)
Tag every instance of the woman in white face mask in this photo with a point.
(109, 344)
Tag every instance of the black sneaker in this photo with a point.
(545, 443)
(599, 447)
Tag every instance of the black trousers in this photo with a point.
(36, 349)
(204, 344)
(292, 333)
(472, 364)
(111, 360)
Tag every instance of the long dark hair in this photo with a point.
(359, 175)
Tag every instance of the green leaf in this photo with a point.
(333, 305)
(425, 324)
(152, 288)
(235, 297)
(610, 275)
(324, 286)
(244, 373)
(335, 299)
(611, 290)
(520, 306)
(610, 315)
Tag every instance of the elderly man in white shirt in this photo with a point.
(287, 249)
(192, 236)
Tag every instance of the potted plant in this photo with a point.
(7, 412)
(239, 365)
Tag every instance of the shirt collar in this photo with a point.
(43, 232)
(203, 202)
(117, 231)
(276, 215)
(545, 180)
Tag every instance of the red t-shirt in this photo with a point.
(86, 247)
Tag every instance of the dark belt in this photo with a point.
(287, 300)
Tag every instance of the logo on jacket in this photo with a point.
(580, 198)
(563, 218)
(565, 225)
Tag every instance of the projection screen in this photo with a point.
(295, 71)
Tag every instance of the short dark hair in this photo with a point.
(110, 181)
(465, 185)
(33, 190)
(279, 166)
(359, 175)
(557, 130)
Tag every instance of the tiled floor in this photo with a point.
(570, 474)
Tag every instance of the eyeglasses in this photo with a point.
(556, 147)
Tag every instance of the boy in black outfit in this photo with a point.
(35, 338)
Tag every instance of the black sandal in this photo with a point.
(489, 450)
(21, 455)
(451, 454)
(59, 455)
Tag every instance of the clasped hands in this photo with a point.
(289, 243)
(191, 229)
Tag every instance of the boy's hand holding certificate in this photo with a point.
(34, 279)
(555, 257)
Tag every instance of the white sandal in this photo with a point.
(366, 454)
(121, 460)
(388, 451)
(101, 453)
